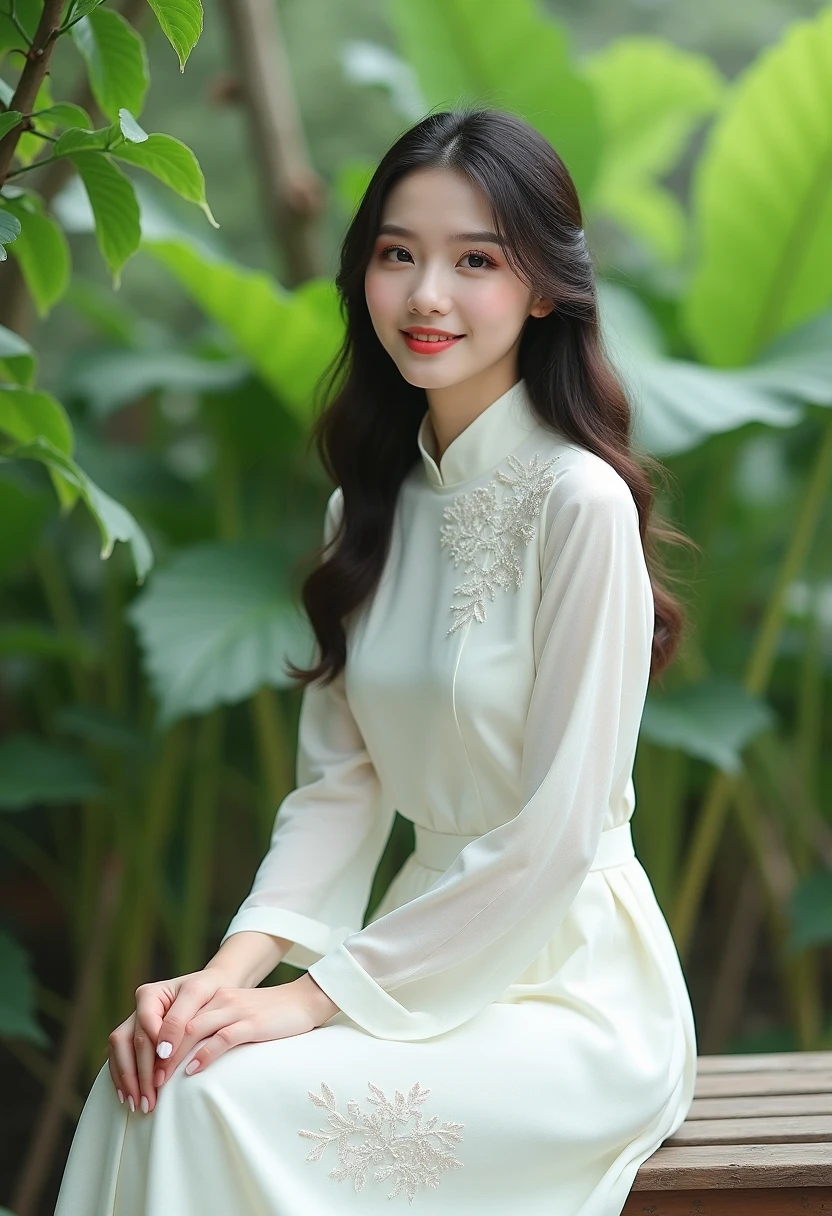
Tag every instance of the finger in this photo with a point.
(123, 1062)
(173, 1031)
(225, 1038)
(145, 1049)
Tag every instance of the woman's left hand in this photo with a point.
(247, 1015)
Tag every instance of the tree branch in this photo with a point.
(31, 78)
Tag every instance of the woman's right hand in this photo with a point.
(132, 1057)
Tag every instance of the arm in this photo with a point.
(312, 887)
(433, 963)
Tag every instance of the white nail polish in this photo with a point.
(145, 1104)
(164, 1049)
(120, 1096)
(131, 1103)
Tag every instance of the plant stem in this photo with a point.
(31, 78)
(275, 764)
(711, 819)
(189, 943)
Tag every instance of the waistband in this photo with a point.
(439, 850)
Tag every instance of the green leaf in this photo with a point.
(17, 996)
(64, 114)
(28, 13)
(78, 139)
(9, 231)
(109, 313)
(24, 509)
(114, 206)
(18, 361)
(763, 202)
(108, 379)
(83, 7)
(114, 521)
(215, 624)
(100, 726)
(289, 337)
(43, 642)
(713, 721)
(173, 163)
(181, 22)
(34, 772)
(42, 252)
(810, 912)
(652, 95)
(799, 364)
(679, 404)
(26, 413)
(9, 121)
(130, 129)
(116, 61)
(510, 56)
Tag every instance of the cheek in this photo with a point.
(496, 304)
(383, 295)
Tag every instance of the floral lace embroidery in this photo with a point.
(412, 1159)
(478, 524)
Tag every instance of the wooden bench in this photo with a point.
(758, 1139)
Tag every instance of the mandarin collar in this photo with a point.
(498, 430)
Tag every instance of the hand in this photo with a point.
(242, 1015)
(132, 1057)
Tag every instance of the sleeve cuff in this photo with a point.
(368, 1004)
(312, 938)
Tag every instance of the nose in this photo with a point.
(429, 293)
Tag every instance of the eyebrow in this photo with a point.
(397, 230)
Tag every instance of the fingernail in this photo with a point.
(164, 1049)
(132, 1103)
(120, 1095)
(192, 1067)
(145, 1104)
(159, 1077)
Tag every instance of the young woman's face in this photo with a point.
(435, 267)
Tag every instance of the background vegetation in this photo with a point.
(156, 382)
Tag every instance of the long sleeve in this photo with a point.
(313, 885)
(433, 963)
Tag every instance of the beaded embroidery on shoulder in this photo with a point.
(485, 529)
(415, 1157)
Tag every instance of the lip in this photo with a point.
(429, 348)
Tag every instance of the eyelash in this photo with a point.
(471, 252)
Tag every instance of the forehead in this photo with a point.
(437, 203)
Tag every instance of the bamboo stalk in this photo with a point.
(189, 942)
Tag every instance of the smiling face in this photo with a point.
(437, 266)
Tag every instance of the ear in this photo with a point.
(541, 307)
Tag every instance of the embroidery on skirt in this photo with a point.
(478, 524)
(416, 1158)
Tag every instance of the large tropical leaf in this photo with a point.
(215, 624)
(652, 95)
(110, 378)
(712, 721)
(17, 996)
(509, 56)
(33, 772)
(763, 202)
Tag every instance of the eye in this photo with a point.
(472, 253)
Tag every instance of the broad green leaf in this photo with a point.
(116, 61)
(43, 642)
(678, 404)
(173, 163)
(42, 251)
(17, 996)
(28, 13)
(78, 139)
(34, 772)
(114, 205)
(26, 413)
(130, 129)
(82, 7)
(8, 121)
(181, 22)
(799, 364)
(289, 337)
(763, 202)
(713, 721)
(652, 95)
(114, 521)
(215, 624)
(351, 182)
(9, 231)
(18, 361)
(108, 379)
(810, 912)
(509, 56)
(64, 114)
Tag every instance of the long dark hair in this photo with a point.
(366, 436)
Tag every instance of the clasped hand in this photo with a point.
(183, 1011)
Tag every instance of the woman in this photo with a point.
(511, 1030)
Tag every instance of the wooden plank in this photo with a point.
(738, 1085)
(793, 1129)
(786, 1201)
(760, 1105)
(725, 1167)
(771, 1061)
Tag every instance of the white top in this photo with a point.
(493, 690)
